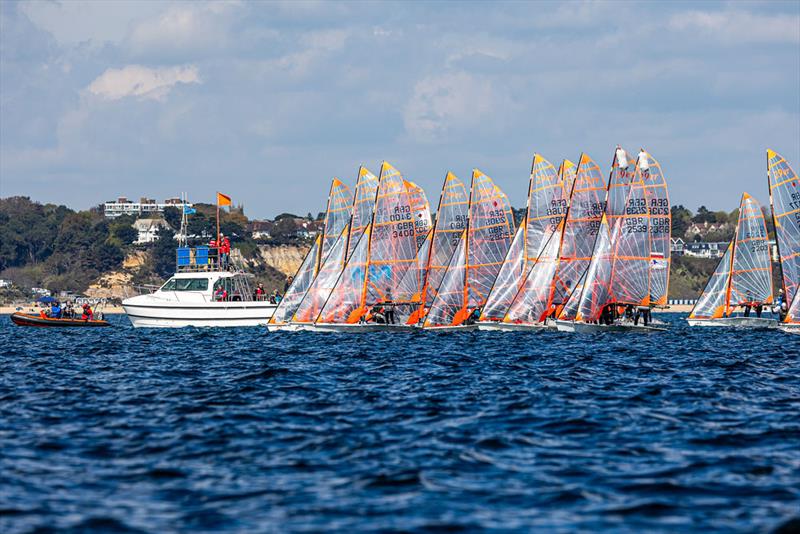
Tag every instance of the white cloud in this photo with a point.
(141, 82)
(446, 102)
(740, 26)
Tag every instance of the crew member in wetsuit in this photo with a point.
(474, 316)
(388, 308)
(748, 305)
(377, 314)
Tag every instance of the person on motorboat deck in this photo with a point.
(221, 293)
(69, 312)
(88, 314)
(260, 293)
(224, 251)
(212, 249)
(55, 310)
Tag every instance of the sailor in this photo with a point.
(622, 158)
(276, 297)
(55, 310)
(759, 309)
(644, 164)
(474, 316)
(748, 305)
(377, 315)
(68, 310)
(287, 284)
(388, 307)
(644, 313)
(781, 306)
(260, 291)
(88, 314)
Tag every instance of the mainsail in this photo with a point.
(596, 291)
(421, 212)
(478, 257)
(363, 204)
(784, 194)
(337, 214)
(546, 207)
(320, 289)
(744, 275)
(490, 229)
(345, 304)
(628, 215)
(660, 231)
(586, 207)
(302, 281)
(391, 250)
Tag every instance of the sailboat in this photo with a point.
(374, 271)
(304, 303)
(743, 276)
(565, 255)
(337, 216)
(451, 221)
(546, 207)
(477, 258)
(620, 269)
(784, 196)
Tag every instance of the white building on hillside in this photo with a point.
(145, 206)
(148, 229)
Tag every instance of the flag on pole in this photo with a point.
(189, 211)
(223, 200)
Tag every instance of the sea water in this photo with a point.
(129, 430)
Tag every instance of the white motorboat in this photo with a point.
(735, 322)
(199, 294)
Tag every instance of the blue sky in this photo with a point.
(268, 101)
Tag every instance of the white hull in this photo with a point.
(735, 322)
(515, 327)
(461, 328)
(286, 327)
(789, 328)
(358, 327)
(210, 314)
(588, 328)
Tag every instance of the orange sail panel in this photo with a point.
(489, 233)
(320, 289)
(302, 281)
(751, 270)
(346, 302)
(660, 232)
(450, 306)
(532, 303)
(547, 204)
(451, 221)
(712, 302)
(363, 205)
(337, 214)
(586, 208)
(784, 194)
(567, 172)
(409, 289)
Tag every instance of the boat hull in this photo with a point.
(456, 328)
(286, 327)
(25, 319)
(588, 328)
(515, 327)
(215, 314)
(735, 322)
(789, 328)
(358, 327)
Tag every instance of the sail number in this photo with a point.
(659, 206)
(635, 225)
(496, 217)
(593, 209)
(557, 207)
(636, 206)
(403, 229)
(659, 225)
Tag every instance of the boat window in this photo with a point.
(186, 284)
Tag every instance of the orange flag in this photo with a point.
(223, 200)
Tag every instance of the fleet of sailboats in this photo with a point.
(588, 255)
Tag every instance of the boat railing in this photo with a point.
(136, 290)
(200, 259)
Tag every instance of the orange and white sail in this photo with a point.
(595, 292)
(784, 194)
(302, 280)
(421, 212)
(320, 289)
(337, 214)
(586, 208)
(629, 217)
(657, 195)
(744, 274)
(363, 205)
(546, 207)
(409, 290)
(490, 227)
(346, 301)
(390, 251)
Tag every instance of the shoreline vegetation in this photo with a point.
(83, 252)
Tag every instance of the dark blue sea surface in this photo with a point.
(201, 430)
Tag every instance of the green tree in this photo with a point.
(163, 253)
(173, 217)
(681, 220)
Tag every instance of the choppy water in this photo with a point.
(241, 430)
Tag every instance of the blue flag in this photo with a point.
(189, 211)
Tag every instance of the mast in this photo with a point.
(775, 229)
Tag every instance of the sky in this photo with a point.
(267, 101)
